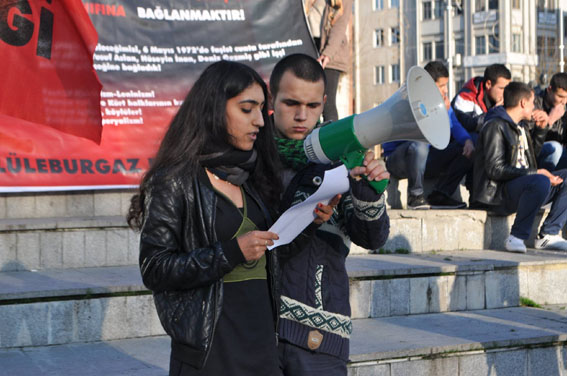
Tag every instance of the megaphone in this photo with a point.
(415, 112)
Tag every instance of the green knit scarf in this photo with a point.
(291, 153)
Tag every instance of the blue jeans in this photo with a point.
(450, 165)
(408, 162)
(550, 155)
(414, 160)
(525, 196)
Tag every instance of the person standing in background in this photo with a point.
(328, 21)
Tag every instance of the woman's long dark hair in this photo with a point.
(200, 121)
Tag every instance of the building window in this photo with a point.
(378, 4)
(395, 73)
(480, 45)
(517, 43)
(546, 46)
(492, 4)
(516, 4)
(551, 46)
(394, 3)
(379, 38)
(540, 45)
(439, 8)
(493, 44)
(459, 84)
(395, 35)
(427, 51)
(439, 50)
(379, 74)
(427, 10)
(460, 46)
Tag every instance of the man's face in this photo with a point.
(298, 106)
(557, 97)
(528, 107)
(442, 85)
(495, 90)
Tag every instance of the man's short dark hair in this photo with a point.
(515, 92)
(558, 81)
(495, 71)
(303, 66)
(436, 70)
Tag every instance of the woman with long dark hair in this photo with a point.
(203, 212)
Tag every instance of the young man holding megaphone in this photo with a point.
(315, 326)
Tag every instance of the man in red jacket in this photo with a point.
(479, 95)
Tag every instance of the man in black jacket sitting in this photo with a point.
(553, 154)
(506, 173)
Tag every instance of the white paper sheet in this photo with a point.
(298, 217)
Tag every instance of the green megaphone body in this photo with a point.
(415, 112)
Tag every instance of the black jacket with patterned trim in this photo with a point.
(315, 284)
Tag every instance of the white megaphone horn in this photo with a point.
(415, 112)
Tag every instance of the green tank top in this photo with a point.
(251, 269)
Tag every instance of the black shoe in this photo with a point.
(417, 202)
(439, 200)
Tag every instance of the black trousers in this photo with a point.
(296, 361)
(330, 108)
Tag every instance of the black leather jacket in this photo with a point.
(555, 131)
(183, 263)
(496, 155)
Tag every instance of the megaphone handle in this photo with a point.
(354, 159)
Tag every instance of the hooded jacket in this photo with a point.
(471, 104)
(497, 153)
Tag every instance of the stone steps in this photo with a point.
(394, 285)
(510, 341)
(74, 305)
(66, 242)
(72, 301)
(435, 228)
(88, 203)
(420, 231)
(96, 241)
(50, 307)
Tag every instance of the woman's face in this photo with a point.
(244, 117)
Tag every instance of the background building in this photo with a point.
(392, 35)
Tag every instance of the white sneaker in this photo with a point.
(555, 242)
(514, 244)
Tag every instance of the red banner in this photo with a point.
(147, 57)
(46, 59)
